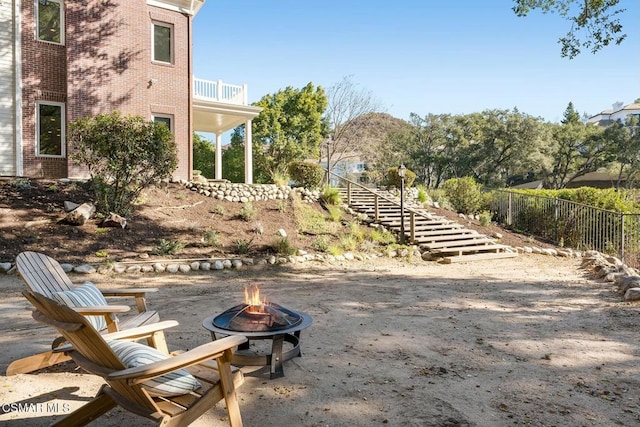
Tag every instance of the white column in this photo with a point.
(248, 153)
(218, 159)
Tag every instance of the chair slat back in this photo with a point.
(42, 274)
(97, 357)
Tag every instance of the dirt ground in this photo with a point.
(525, 341)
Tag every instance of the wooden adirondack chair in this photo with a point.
(44, 275)
(128, 387)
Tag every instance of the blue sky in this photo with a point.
(420, 56)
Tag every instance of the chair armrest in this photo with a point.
(208, 351)
(140, 331)
(138, 293)
(101, 309)
(131, 292)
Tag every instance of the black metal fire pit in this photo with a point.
(264, 322)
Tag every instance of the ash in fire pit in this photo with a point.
(256, 315)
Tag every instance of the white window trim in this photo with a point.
(165, 116)
(63, 151)
(62, 24)
(171, 42)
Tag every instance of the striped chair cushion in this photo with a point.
(85, 295)
(174, 383)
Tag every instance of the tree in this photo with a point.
(204, 156)
(233, 157)
(124, 156)
(346, 103)
(594, 23)
(570, 115)
(623, 141)
(290, 127)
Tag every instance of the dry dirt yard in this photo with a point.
(525, 341)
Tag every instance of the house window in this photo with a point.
(162, 48)
(50, 129)
(49, 21)
(167, 120)
(359, 167)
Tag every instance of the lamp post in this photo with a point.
(329, 161)
(401, 173)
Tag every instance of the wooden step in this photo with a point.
(459, 250)
(442, 232)
(477, 241)
(446, 238)
(478, 257)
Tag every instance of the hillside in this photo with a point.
(200, 227)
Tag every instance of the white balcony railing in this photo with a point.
(218, 91)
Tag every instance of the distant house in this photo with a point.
(64, 59)
(352, 168)
(618, 112)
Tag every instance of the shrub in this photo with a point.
(203, 156)
(280, 179)
(485, 218)
(219, 210)
(335, 213)
(248, 212)
(331, 196)
(124, 156)
(243, 246)
(348, 243)
(321, 244)
(211, 238)
(394, 180)
(306, 174)
(167, 247)
(422, 194)
(282, 246)
(464, 194)
(382, 237)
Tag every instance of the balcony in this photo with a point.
(218, 91)
(219, 107)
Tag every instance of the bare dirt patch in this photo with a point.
(525, 341)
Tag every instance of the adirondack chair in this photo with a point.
(135, 388)
(44, 275)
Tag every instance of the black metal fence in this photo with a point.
(570, 224)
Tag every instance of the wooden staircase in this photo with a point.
(439, 236)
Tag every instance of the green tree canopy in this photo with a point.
(204, 156)
(290, 127)
(124, 155)
(595, 24)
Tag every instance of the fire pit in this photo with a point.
(261, 320)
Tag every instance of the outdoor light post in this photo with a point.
(329, 161)
(401, 172)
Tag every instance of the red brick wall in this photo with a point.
(43, 79)
(108, 67)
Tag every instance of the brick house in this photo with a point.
(65, 59)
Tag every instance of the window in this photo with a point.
(50, 129)
(162, 49)
(49, 21)
(164, 119)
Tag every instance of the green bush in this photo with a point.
(211, 238)
(464, 194)
(331, 196)
(282, 246)
(485, 218)
(422, 194)
(248, 212)
(306, 174)
(204, 156)
(167, 247)
(394, 180)
(124, 155)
